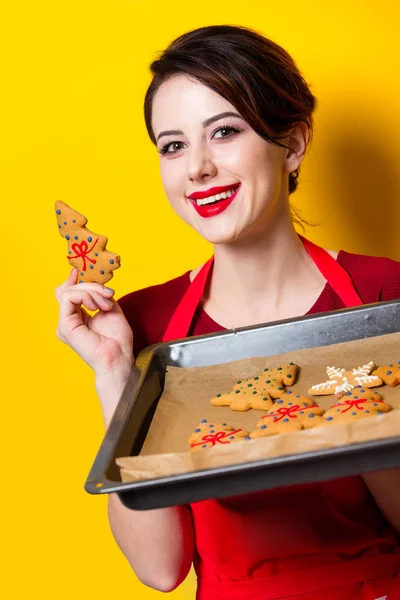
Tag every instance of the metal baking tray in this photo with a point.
(131, 421)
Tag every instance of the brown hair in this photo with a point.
(254, 74)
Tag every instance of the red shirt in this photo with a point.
(287, 529)
(149, 310)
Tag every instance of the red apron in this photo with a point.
(233, 544)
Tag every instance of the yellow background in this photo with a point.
(73, 76)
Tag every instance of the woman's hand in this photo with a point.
(105, 340)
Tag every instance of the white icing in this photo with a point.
(366, 379)
(345, 387)
(325, 385)
(364, 370)
(333, 372)
(360, 375)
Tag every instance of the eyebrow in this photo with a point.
(205, 123)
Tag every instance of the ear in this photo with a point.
(297, 142)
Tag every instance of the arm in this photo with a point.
(385, 488)
(158, 544)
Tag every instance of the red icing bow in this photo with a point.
(288, 412)
(354, 404)
(214, 438)
(81, 251)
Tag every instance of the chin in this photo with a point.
(222, 229)
(218, 235)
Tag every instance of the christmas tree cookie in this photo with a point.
(271, 381)
(86, 249)
(209, 433)
(357, 404)
(390, 374)
(258, 392)
(243, 399)
(293, 412)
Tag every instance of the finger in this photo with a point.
(102, 303)
(87, 287)
(94, 287)
(90, 300)
(71, 302)
(73, 276)
(72, 279)
(63, 329)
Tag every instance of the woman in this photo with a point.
(231, 117)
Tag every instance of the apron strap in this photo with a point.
(339, 280)
(181, 320)
(336, 276)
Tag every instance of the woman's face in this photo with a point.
(205, 145)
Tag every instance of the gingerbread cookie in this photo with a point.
(257, 392)
(292, 397)
(291, 413)
(209, 434)
(270, 381)
(367, 393)
(86, 250)
(341, 381)
(243, 399)
(390, 374)
(357, 404)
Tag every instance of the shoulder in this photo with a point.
(149, 310)
(364, 265)
(376, 278)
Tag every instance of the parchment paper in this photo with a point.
(186, 401)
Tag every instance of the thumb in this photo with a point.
(72, 279)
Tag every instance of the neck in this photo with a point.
(260, 279)
(261, 263)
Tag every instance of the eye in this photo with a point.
(226, 131)
(171, 148)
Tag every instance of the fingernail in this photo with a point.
(109, 302)
(108, 290)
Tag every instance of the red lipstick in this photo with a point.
(212, 191)
(211, 210)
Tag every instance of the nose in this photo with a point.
(200, 165)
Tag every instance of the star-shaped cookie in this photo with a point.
(341, 381)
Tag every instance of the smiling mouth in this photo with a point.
(216, 197)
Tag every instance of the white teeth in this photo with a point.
(221, 196)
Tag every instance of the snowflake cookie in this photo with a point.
(340, 381)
